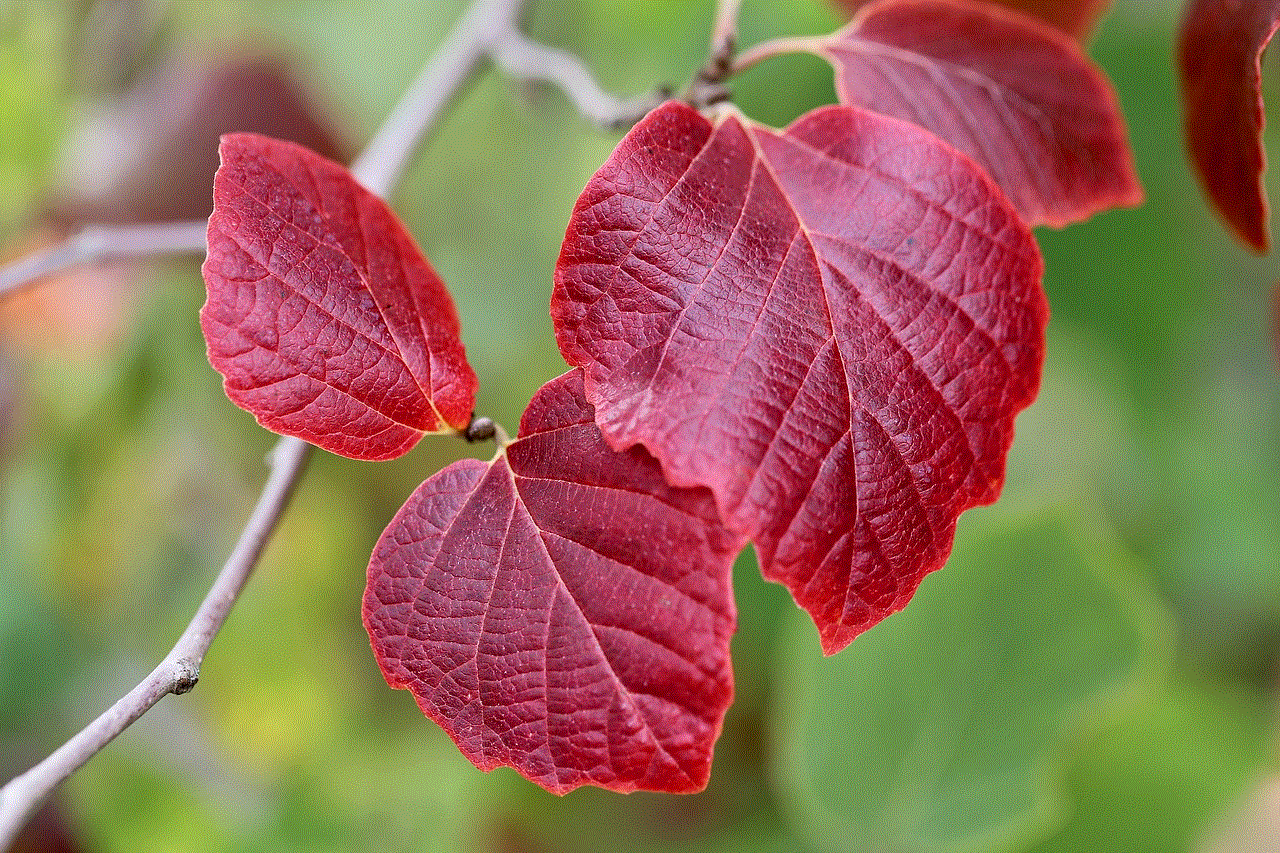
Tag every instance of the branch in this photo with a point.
(521, 57)
(708, 86)
(724, 35)
(379, 169)
(387, 155)
(103, 243)
(180, 669)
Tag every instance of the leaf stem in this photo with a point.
(777, 47)
(102, 243)
(379, 168)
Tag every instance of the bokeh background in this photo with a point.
(1095, 669)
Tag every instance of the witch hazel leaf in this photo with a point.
(831, 327)
(1220, 48)
(562, 609)
(1018, 96)
(323, 317)
(1077, 18)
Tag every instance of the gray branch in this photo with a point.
(180, 669)
(519, 56)
(379, 169)
(104, 243)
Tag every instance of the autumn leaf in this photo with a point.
(1016, 95)
(831, 327)
(1076, 18)
(1220, 48)
(323, 317)
(561, 610)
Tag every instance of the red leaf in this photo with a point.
(323, 317)
(1220, 56)
(832, 327)
(1076, 18)
(561, 610)
(1016, 95)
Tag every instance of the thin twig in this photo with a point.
(521, 57)
(385, 159)
(180, 669)
(724, 34)
(379, 169)
(103, 243)
(707, 87)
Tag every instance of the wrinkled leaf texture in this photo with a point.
(832, 327)
(1220, 48)
(562, 609)
(1016, 95)
(323, 317)
(1077, 18)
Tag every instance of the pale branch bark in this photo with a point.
(104, 243)
(379, 169)
(707, 87)
(180, 669)
(724, 34)
(387, 155)
(519, 56)
(488, 30)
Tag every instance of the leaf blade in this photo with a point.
(1076, 18)
(323, 317)
(1220, 47)
(561, 610)
(745, 303)
(1016, 95)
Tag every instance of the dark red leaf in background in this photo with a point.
(561, 610)
(832, 327)
(323, 317)
(1076, 18)
(149, 154)
(1219, 54)
(1016, 95)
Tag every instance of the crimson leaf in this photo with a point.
(1220, 56)
(832, 327)
(1077, 18)
(323, 317)
(561, 610)
(1016, 95)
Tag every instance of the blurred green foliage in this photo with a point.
(1039, 633)
(1135, 554)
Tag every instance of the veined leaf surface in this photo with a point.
(831, 327)
(1016, 95)
(323, 317)
(1077, 18)
(562, 610)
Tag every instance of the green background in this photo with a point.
(1094, 670)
